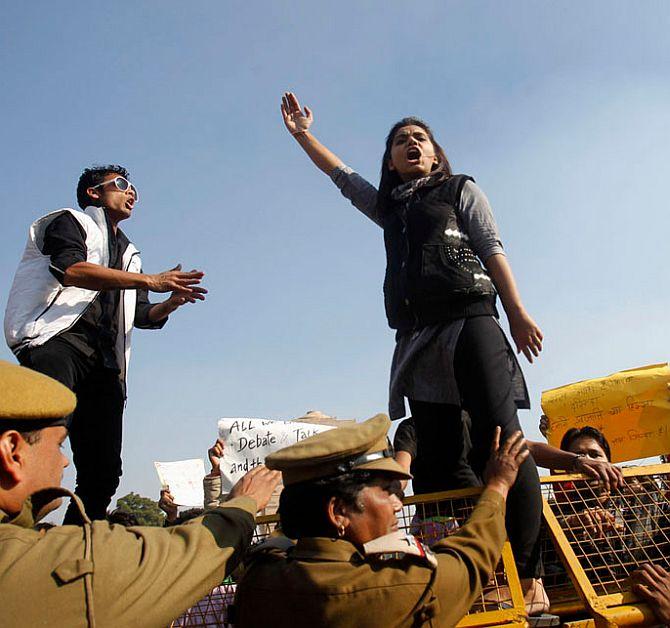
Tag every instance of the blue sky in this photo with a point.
(559, 110)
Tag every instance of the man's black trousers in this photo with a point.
(96, 424)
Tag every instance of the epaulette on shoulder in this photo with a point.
(397, 546)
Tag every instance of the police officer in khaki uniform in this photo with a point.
(98, 574)
(351, 566)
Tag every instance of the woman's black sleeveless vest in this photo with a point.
(432, 274)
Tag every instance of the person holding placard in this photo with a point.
(445, 267)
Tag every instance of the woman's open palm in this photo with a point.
(295, 119)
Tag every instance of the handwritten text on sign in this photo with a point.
(248, 441)
(632, 409)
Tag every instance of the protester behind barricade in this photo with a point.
(592, 465)
(172, 515)
(351, 565)
(611, 530)
(212, 482)
(211, 485)
(587, 507)
(73, 576)
(212, 491)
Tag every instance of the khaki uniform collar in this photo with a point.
(32, 509)
(324, 549)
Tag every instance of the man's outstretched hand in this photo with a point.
(257, 484)
(175, 280)
(184, 286)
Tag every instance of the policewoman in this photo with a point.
(350, 565)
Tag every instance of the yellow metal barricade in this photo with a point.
(598, 539)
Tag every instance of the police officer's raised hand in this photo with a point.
(503, 465)
(175, 280)
(257, 484)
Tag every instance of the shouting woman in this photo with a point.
(445, 266)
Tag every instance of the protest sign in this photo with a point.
(184, 477)
(632, 409)
(248, 441)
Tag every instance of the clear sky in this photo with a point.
(558, 109)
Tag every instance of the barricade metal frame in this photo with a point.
(603, 589)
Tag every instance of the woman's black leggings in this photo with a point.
(484, 382)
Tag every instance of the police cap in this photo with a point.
(362, 446)
(30, 400)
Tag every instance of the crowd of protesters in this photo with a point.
(340, 559)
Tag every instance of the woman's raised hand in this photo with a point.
(298, 122)
(295, 119)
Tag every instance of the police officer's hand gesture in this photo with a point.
(257, 484)
(503, 465)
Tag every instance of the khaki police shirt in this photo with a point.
(138, 576)
(325, 582)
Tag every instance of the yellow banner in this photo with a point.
(632, 409)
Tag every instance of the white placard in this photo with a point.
(184, 477)
(248, 441)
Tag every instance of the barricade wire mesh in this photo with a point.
(435, 516)
(602, 537)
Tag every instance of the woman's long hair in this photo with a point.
(390, 178)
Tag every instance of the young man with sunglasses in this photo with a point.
(78, 292)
